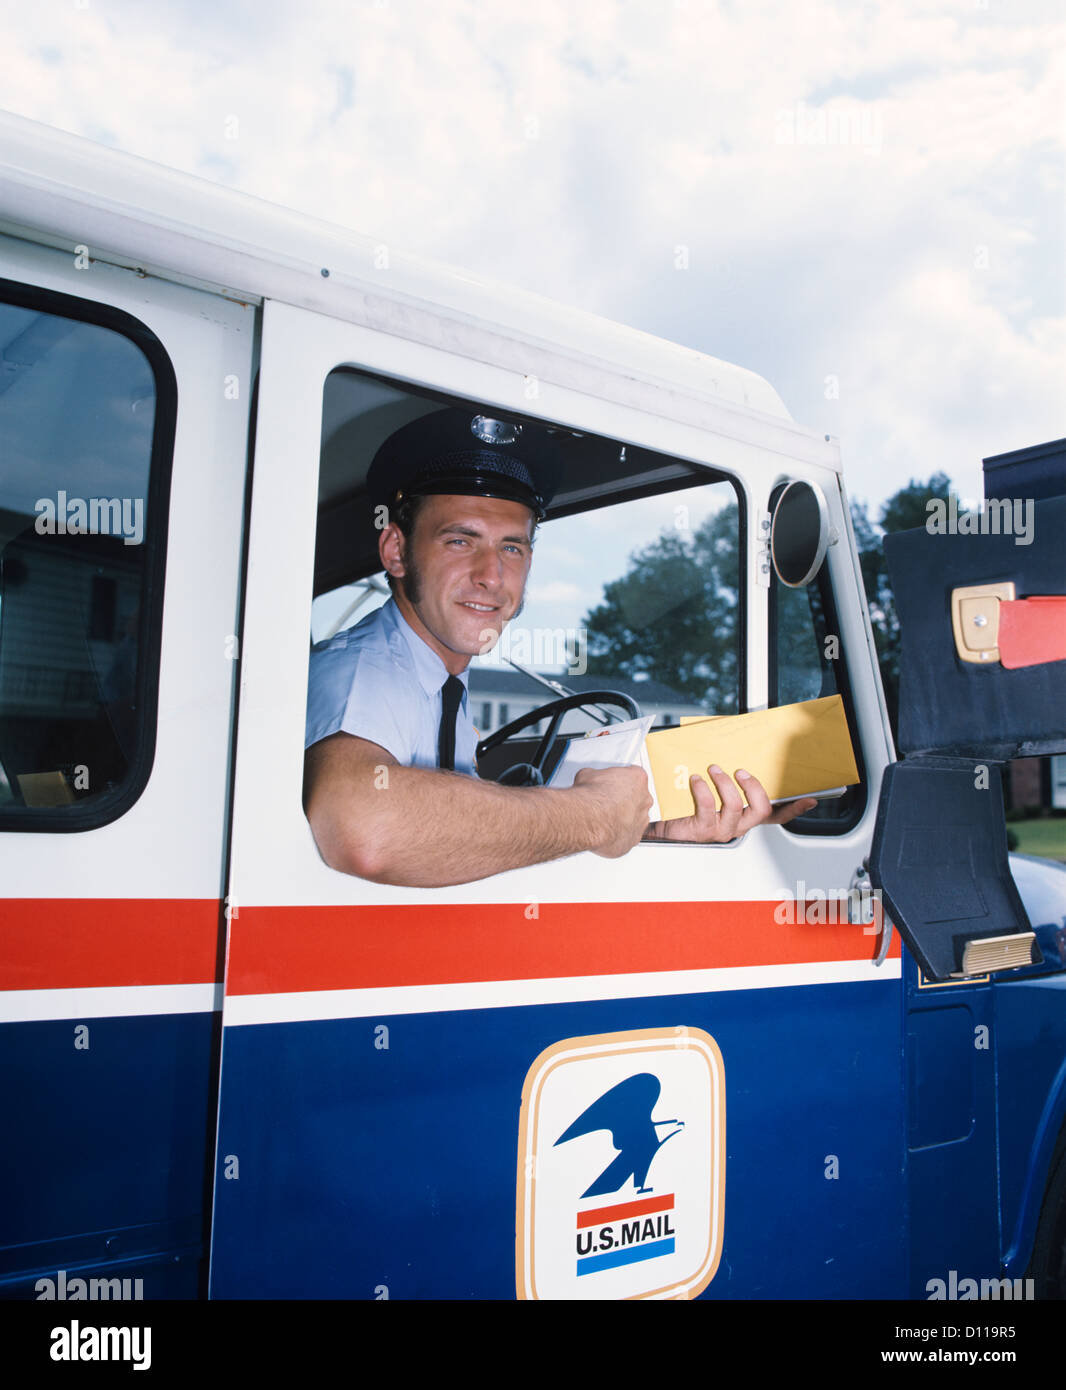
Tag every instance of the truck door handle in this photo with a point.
(869, 908)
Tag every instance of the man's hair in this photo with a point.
(405, 513)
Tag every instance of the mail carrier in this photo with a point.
(710, 1070)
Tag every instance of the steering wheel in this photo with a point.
(532, 774)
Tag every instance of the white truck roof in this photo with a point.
(65, 191)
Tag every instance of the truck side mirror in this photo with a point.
(800, 534)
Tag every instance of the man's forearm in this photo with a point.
(429, 829)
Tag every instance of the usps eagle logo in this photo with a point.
(621, 1167)
(625, 1111)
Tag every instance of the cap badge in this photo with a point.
(491, 431)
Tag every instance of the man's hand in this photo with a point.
(711, 826)
(620, 808)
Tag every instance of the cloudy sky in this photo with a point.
(863, 202)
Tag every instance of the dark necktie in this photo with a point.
(451, 694)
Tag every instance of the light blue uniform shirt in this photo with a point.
(380, 681)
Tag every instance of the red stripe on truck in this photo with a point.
(75, 943)
(68, 943)
(276, 950)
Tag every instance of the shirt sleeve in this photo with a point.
(360, 693)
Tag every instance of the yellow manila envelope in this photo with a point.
(794, 750)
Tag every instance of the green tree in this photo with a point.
(905, 510)
(673, 615)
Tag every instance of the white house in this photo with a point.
(498, 696)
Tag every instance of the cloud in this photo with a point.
(557, 591)
(586, 151)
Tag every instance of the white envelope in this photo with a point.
(615, 745)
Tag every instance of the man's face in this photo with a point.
(463, 573)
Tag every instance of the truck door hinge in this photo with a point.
(762, 551)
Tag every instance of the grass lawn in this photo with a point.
(1044, 837)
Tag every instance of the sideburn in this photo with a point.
(411, 581)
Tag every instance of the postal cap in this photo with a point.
(454, 451)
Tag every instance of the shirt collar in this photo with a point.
(430, 670)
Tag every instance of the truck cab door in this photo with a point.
(383, 1044)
